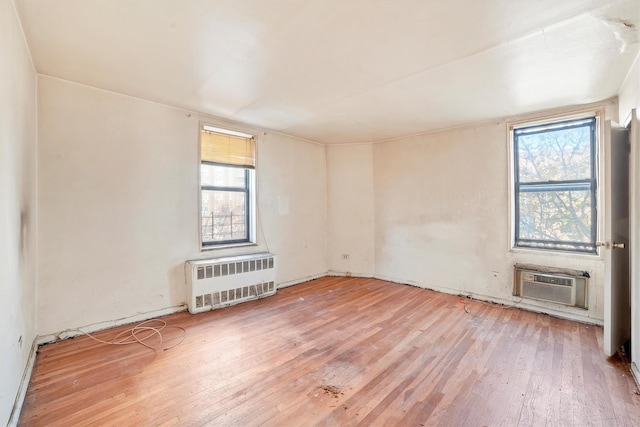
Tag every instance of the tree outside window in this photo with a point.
(555, 186)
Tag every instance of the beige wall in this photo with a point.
(433, 211)
(118, 193)
(292, 206)
(442, 217)
(117, 214)
(17, 207)
(438, 202)
(350, 209)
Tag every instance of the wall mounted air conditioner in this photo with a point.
(550, 286)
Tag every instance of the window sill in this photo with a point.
(554, 253)
(227, 246)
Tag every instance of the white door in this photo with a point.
(617, 303)
(634, 211)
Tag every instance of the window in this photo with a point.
(555, 186)
(227, 176)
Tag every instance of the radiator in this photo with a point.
(220, 282)
(544, 284)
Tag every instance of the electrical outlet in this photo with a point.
(345, 256)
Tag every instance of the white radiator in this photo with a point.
(220, 282)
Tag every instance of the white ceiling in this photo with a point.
(336, 70)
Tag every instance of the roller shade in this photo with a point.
(218, 147)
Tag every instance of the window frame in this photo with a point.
(591, 184)
(249, 189)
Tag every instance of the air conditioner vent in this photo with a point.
(551, 286)
(554, 280)
(543, 291)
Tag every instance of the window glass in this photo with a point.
(555, 184)
(555, 155)
(226, 183)
(222, 176)
(556, 216)
(224, 216)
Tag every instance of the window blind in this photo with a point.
(227, 149)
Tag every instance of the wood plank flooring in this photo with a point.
(341, 352)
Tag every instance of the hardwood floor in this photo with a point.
(338, 351)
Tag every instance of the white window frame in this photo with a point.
(598, 114)
(252, 188)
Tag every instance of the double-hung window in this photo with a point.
(227, 177)
(555, 185)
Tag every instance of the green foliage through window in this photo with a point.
(555, 186)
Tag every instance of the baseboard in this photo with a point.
(329, 273)
(95, 327)
(333, 273)
(575, 313)
(301, 280)
(24, 385)
(39, 340)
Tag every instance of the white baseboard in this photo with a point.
(44, 339)
(39, 340)
(140, 317)
(570, 313)
(333, 273)
(301, 280)
(73, 332)
(24, 385)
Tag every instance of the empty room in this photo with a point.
(298, 212)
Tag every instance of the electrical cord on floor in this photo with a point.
(148, 328)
